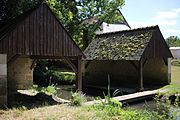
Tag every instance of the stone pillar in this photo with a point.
(3, 80)
(20, 75)
(169, 70)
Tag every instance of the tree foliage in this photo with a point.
(71, 13)
(173, 41)
(10, 9)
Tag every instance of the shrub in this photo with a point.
(49, 90)
(166, 106)
(175, 62)
(77, 99)
(68, 77)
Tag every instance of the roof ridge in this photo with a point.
(129, 30)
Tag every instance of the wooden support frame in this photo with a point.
(144, 62)
(165, 61)
(73, 67)
(134, 65)
(87, 64)
(141, 86)
(33, 64)
(12, 58)
(79, 74)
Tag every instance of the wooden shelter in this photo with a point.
(38, 34)
(135, 58)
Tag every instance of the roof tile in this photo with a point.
(127, 45)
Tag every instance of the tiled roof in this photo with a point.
(126, 44)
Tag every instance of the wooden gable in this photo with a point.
(39, 34)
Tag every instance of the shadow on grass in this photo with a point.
(18, 100)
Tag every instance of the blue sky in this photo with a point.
(165, 13)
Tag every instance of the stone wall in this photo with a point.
(20, 76)
(3, 80)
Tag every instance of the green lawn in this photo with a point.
(174, 87)
(175, 74)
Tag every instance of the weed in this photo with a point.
(77, 99)
(51, 118)
(50, 90)
(18, 112)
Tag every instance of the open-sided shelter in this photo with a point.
(135, 59)
(37, 34)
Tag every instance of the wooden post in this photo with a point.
(79, 75)
(141, 75)
(169, 70)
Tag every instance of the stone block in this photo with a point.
(3, 58)
(3, 69)
(29, 77)
(20, 76)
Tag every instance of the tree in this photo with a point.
(173, 41)
(10, 9)
(73, 14)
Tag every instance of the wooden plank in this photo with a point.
(129, 97)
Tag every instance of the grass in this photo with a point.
(55, 112)
(67, 112)
(175, 74)
(174, 87)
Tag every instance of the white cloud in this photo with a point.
(165, 27)
(167, 22)
(173, 30)
(176, 10)
(167, 17)
(170, 32)
(136, 24)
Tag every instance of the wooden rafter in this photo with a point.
(73, 67)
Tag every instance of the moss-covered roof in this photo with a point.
(127, 45)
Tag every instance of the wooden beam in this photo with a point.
(141, 75)
(12, 58)
(79, 74)
(86, 65)
(33, 64)
(144, 62)
(132, 63)
(165, 61)
(73, 67)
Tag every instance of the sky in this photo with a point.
(165, 13)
